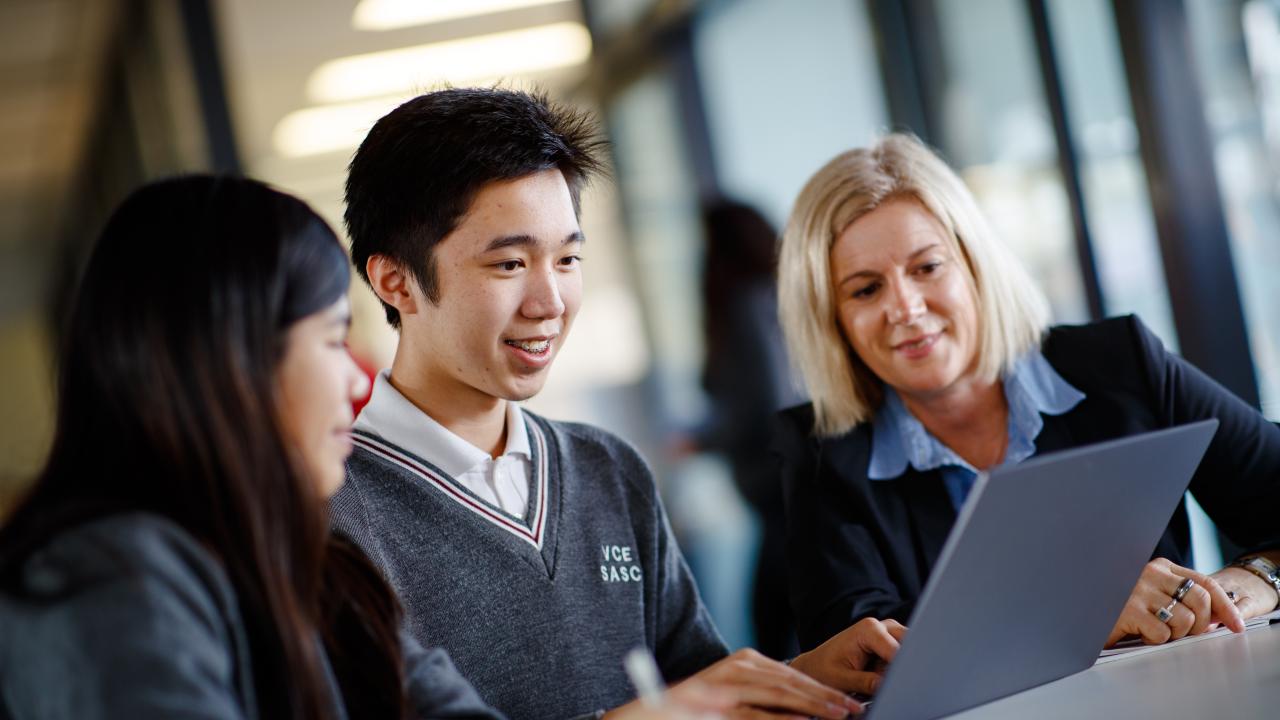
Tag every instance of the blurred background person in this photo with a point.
(747, 379)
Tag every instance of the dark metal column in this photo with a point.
(696, 129)
(1177, 153)
(911, 67)
(206, 65)
(1051, 78)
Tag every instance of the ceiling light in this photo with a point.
(456, 62)
(392, 14)
(317, 130)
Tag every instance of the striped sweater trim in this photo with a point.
(533, 533)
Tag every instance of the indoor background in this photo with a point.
(1128, 150)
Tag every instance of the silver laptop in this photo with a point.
(1036, 571)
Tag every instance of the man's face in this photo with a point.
(510, 284)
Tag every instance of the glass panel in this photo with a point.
(1237, 55)
(1113, 181)
(660, 198)
(775, 117)
(998, 135)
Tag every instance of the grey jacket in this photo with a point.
(130, 617)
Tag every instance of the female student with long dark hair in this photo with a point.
(173, 558)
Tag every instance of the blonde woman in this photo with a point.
(927, 351)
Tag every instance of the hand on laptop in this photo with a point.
(1253, 595)
(690, 700)
(854, 659)
(761, 686)
(1201, 604)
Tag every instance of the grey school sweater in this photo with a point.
(130, 617)
(537, 613)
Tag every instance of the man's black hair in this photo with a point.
(416, 173)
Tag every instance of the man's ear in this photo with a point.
(391, 283)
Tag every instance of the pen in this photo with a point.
(644, 675)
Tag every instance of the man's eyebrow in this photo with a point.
(507, 241)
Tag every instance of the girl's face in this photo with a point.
(317, 381)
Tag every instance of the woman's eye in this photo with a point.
(930, 267)
(866, 291)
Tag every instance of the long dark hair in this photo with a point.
(167, 404)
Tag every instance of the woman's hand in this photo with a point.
(854, 660)
(1254, 596)
(1205, 603)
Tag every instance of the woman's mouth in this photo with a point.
(917, 347)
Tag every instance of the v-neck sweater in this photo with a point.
(537, 612)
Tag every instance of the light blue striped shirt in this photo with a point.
(1032, 388)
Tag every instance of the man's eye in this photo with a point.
(509, 265)
(570, 260)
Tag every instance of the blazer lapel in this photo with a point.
(931, 513)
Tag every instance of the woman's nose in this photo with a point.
(906, 304)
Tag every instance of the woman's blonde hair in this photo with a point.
(1012, 312)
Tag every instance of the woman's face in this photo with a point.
(905, 299)
(318, 381)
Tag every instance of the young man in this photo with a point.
(536, 552)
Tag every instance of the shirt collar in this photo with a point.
(391, 416)
(1032, 389)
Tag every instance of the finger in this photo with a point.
(769, 683)
(751, 713)
(1169, 577)
(896, 629)
(1197, 600)
(695, 694)
(1145, 624)
(877, 639)
(766, 672)
(1222, 609)
(789, 699)
(802, 683)
(1181, 622)
(863, 681)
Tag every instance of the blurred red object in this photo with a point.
(370, 372)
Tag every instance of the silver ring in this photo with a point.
(1182, 590)
(1165, 614)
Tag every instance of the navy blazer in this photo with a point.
(858, 548)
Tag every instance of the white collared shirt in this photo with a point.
(502, 482)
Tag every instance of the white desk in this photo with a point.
(1233, 676)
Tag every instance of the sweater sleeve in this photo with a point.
(835, 572)
(1238, 481)
(121, 624)
(435, 687)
